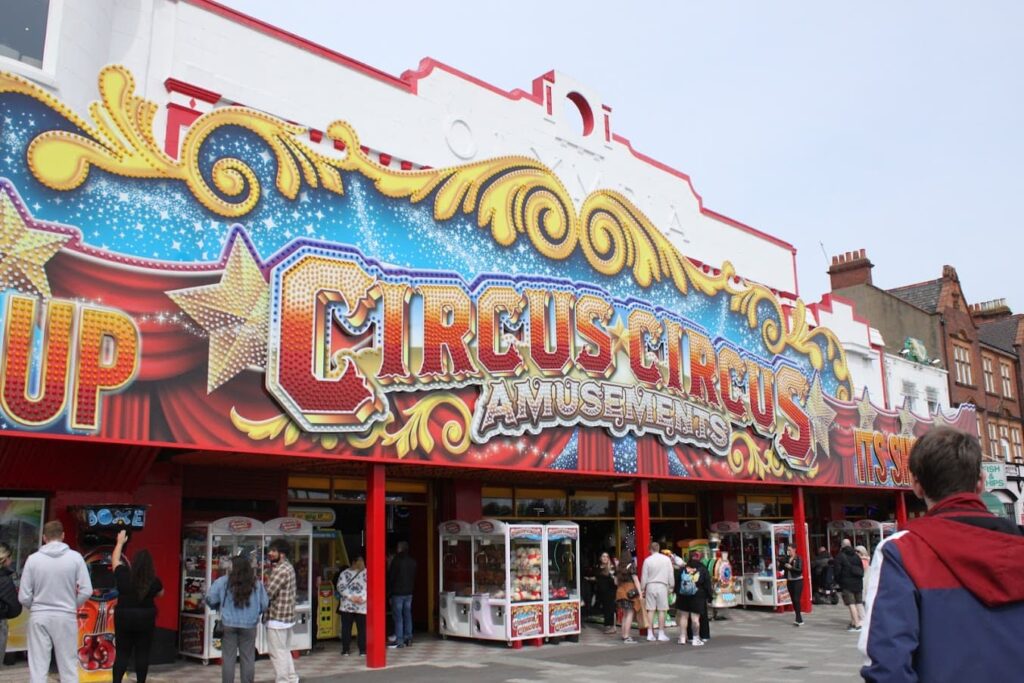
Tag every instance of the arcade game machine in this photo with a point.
(207, 550)
(562, 541)
(98, 526)
(724, 544)
(869, 533)
(508, 582)
(836, 531)
(455, 578)
(763, 543)
(330, 556)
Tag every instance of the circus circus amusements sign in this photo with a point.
(262, 292)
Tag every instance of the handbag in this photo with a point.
(218, 629)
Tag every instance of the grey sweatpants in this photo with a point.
(56, 631)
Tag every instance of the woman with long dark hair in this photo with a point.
(241, 600)
(135, 612)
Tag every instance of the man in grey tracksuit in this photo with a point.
(54, 584)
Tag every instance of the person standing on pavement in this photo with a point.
(628, 598)
(946, 599)
(657, 581)
(241, 600)
(794, 568)
(850, 577)
(401, 586)
(865, 559)
(54, 584)
(352, 594)
(135, 612)
(695, 580)
(281, 589)
(9, 605)
(604, 587)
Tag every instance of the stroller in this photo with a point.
(823, 580)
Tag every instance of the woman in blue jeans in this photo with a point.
(241, 600)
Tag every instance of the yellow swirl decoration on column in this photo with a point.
(511, 196)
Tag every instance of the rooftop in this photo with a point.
(924, 295)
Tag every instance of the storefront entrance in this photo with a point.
(339, 505)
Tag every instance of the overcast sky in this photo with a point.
(889, 126)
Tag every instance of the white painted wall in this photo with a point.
(899, 370)
(450, 120)
(861, 342)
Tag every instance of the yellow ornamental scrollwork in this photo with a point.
(121, 141)
(745, 457)
(510, 196)
(413, 435)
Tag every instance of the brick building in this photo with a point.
(979, 345)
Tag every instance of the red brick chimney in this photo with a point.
(986, 311)
(850, 269)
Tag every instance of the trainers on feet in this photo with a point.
(663, 638)
(696, 642)
(650, 635)
(628, 639)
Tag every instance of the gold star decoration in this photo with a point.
(867, 412)
(821, 415)
(235, 313)
(620, 337)
(24, 252)
(907, 421)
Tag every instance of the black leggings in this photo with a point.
(605, 590)
(796, 590)
(133, 633)
(346, 631)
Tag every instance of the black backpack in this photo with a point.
(9, 605)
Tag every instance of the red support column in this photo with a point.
(642, 514)
(800, 537)
(901, 510)
(376, 551)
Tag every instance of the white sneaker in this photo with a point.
(696, 642)
(663, 638)
(650, 634)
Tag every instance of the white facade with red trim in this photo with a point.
(193, 55)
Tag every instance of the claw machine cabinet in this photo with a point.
(455, 603)
(207, 550)
(869, 533)
(837, 530)
(763, 543)
(299, 534)
(508, 574)
(562, 579)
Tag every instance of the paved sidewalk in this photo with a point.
(750, 646)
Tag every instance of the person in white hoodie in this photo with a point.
(54, 584)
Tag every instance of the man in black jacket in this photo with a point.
(401, 584)
(850, 577)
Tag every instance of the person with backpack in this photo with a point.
(9, 605)
(794, 568)
(693, 591)
(850, 577)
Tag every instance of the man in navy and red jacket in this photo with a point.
(946, 596)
